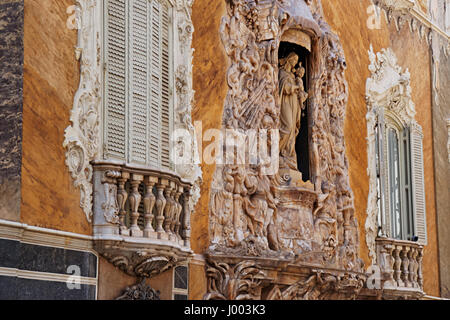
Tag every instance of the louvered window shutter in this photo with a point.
(116, 79)
(138, 102)
(418, 183)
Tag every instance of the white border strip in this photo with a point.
(45, 237)
(46, 276)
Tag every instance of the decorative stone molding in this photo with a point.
(83, 140)
(140, 291)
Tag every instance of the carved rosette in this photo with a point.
(252, 214)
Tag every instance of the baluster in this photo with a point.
(122, 197)
(397, 266)
(168, 209)
(177, 224)
(419, 263)
(389, 266)
(135, 200)
(160, 206)
(187, 219)
(149, 204)
(405, 266)
(412, 267)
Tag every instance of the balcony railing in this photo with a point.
(141, 217)
(401, 264)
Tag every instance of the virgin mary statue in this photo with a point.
(292, 100)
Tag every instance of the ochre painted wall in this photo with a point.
(51, 76)
(210, 68)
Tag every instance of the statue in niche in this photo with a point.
(292, 102)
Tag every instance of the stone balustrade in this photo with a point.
(141, 216)
(400, 263)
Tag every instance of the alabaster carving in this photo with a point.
(140, 291)
(83, 136)
(279, 216)
(292, 103)
(249, 280)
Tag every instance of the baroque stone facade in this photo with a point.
(257, 215)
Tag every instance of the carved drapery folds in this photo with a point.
(259, 214)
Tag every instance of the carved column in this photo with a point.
(160, 205)
(122, 196)
(149, 204)
(135, 200)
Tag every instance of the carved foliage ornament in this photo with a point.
(83, 137)
(252, 213)
(245, 281)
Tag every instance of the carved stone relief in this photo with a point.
(83, 137)
(140, 291)
(280, 216)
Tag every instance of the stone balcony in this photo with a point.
(141, 220)
(400, 266)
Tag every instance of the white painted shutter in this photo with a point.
(418, 183)
(138, 103)
(116, 74)
(139, 82)
(165, 87)
(155, 105)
